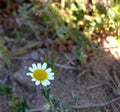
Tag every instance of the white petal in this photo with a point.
(37, 82)
(46, 83)
(30, 69)
(44, 66)
(48, 70)
(52, 74)
(39, 65)
(29, 74)
(33, 79)
(34, 66)
(50, 77)
(32, 76)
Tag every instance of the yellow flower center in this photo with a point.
(40, 75)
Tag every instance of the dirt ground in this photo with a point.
(96, 80)
(91, 80)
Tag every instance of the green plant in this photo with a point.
(54, 104)
(73, 19)
(18, 105)
(5, 91)
(14, 102)
(25, 10)
(66, 18)
(114, 17)
(4, 54)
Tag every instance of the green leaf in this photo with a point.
(61, 31)
(5, 90)
(22, 106)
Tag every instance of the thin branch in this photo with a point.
(94, 86)
(36, 110)
(98, 105)
(36, 60)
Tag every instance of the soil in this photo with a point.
(90, 80)
(96, 80)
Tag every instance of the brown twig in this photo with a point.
(94, 86)
(35, 110)
(36, 60)
(98, 105)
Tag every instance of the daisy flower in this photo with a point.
(41, 74)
